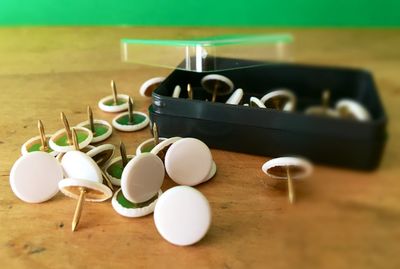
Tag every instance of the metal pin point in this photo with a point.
(67, 128)
(130, 111)
(79, 205)
(291, 191)
(155, 134)
(189, 91)
(114, 92)
(122, 151)
(326, 96)
(91, 121)
(43, 139)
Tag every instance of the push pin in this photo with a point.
(140, 186)
(130, 121)
(147, 88)
(176, 92)
(149, 144)
(182, 215)
(38, 143)
(217, 85)
(102, 155)
(34, 177)
(255, 102)
(161, 148)
(350, 109)
(288, 168)
(101, 129)
(281, 99)
(84, 180)
(115, 102)
(115, 167)
(189, 162)
(61, 140)
(235, 98)
(189, 92)
(324, 109)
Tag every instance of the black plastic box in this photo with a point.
(272, 133)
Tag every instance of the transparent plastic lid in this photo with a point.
(205, 54)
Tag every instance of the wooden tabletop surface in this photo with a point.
(342, 219)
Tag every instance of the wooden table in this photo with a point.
(343, 218)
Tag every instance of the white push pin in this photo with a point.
(281, 99)
(288, 168)
(176, 92)
(182, 215)
(150, 85)
(149, 144)
(161, 148)
(217, 85)
(84, 180)
(235, 97)
(102, 154)
(350, 109)
(115, 102)
(255, 102)
(101, 129)
(38, 143)
(34, 177)
(61, 140)
(115, 167)
(189, 162)
(130, 121)
(324, 109)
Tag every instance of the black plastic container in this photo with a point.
(272, 133)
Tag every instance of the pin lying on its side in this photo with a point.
(102, 155)
(189, 162)
(130, 121)
(324, 109)
(235, 98)
(61, 140)
(150, 85)
(288, 168)
(161, 148)
(115, 167)
(38, 143)
(255, 102)
(176, 92)
(182, 215)
(101, 129)
(280, 99)
(350, 109)
(84, 180)
(217, 85)
(140, 186)
(115, 102)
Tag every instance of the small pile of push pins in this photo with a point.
(281, 99)
(67, 162)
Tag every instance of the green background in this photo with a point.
(348, 13)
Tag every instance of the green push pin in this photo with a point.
(324, 109)
(115, 102)
(150, 143)
(61, 140)
(114, 168)
(38, 143)
(130, 121)
(101, 129)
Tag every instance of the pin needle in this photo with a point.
(79, 205)
(155, 134)
(67, 128)
(291, 191)
(90, 118)
(190, 91)
(214, 94)
(124, 158)
(43, 139)
(114, 92)
(326, 96)
(130, 111)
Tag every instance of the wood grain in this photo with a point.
(343, 218)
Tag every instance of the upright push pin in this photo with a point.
(115, 102)
(61, 140)
(280, 99)
(116, 166)
(83, 180)
(217, 85)
(350, 109)
(101, 129)
(150, 143)
(130, 121)
(289, 168)
(38, 143)
(147, 88)
(324, 109)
